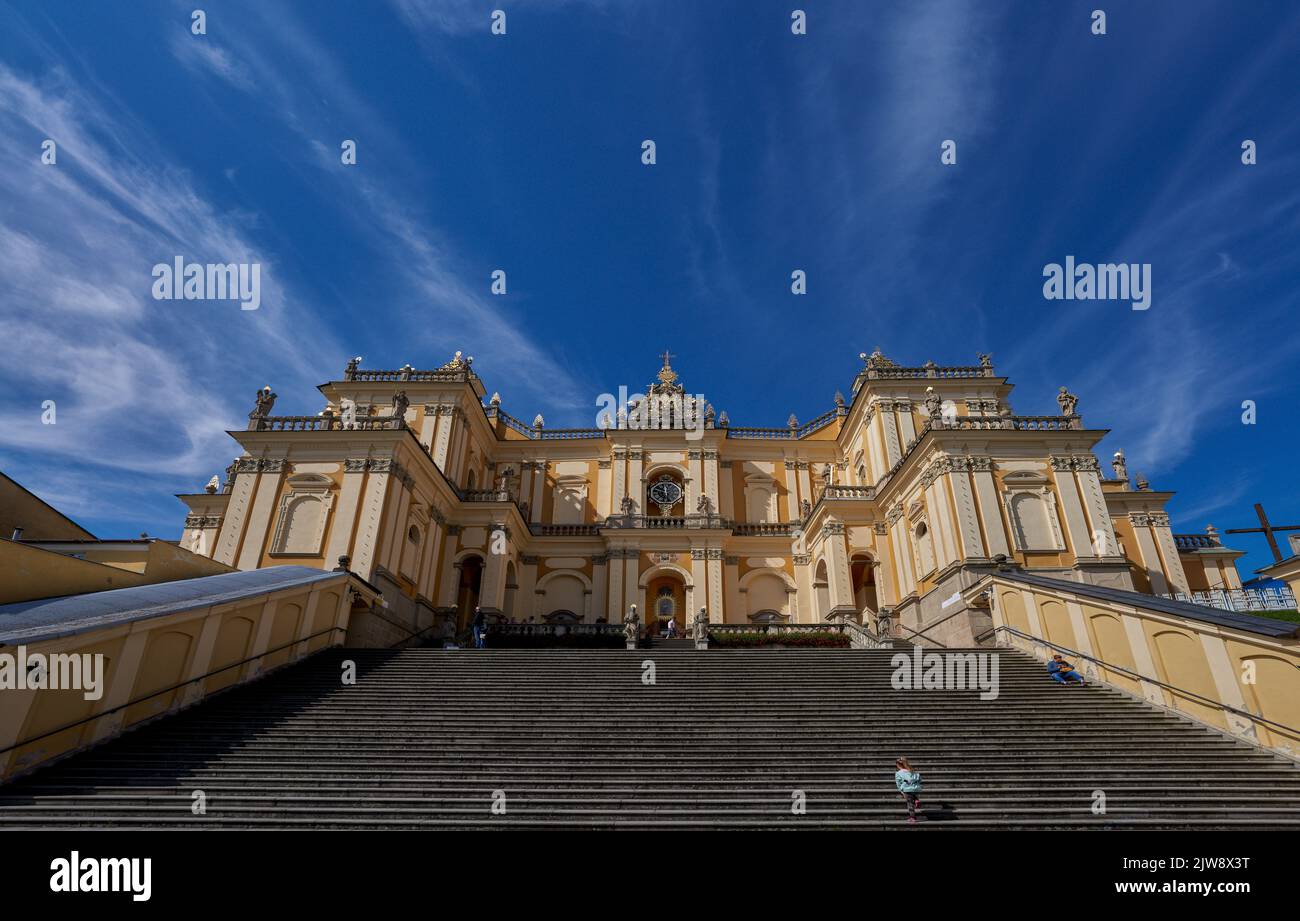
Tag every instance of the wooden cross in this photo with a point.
(1268, 530)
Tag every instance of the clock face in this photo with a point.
(665, 493)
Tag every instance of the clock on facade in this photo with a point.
(665, 493)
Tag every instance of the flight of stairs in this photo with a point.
(427, 738)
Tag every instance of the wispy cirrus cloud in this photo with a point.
(142, 388)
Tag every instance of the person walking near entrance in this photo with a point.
(908, 782)
(480, 627)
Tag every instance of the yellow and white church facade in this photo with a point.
(882, 509)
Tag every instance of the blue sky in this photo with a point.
(522, 152)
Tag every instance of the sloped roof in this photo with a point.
(47, 618)
(1248, 623)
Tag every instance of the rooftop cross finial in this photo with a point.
(666, 374)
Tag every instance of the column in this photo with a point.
(604, 501)
(1169, 550)
(906, 422)
(1150, 556)
(837, 567)
(259, 518)
(968, 526)
(731, 589)
(241, 497)
(711, 479)
(886, 575)
(635, 486)
(371, 517)
(449, 584)
(539, 492)
(631, 579)
(716, 599)
(442, 441)
(791, 492)
(893, 452)
(726, 498)
(345, 513)
(698, 594)
(805, 483)
(1075, 522)
(492, 590)
(1094, 503)
(614, 601)
(990, 509)
(600, 586)
(694, 480)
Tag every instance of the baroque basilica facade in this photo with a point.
(881, 509)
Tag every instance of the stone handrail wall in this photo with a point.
(1244, 683)
(161, 663)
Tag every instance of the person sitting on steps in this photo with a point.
(1062, 672)
(908, 782)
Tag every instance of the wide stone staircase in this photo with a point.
(795, 738)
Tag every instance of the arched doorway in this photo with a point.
(665, 600)
(467, 593)
(865, 595)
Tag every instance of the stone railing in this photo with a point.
(485, 495)
(1240, 599)
(816, 425)
(322, 424)
(751, 431)
(862, 638)
(1197, 542)
(1016, 423)
(409, 374)
(796, 431)
(555, 630)
(541, 434)
(849, 492)
(775, 629)
(764, 529)
(931, 371)
(565, 530)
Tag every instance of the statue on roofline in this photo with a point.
(400, 403)
(1068, 402)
